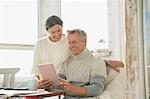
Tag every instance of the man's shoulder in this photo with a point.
(67, 60)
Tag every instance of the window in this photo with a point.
(18, 33)
(89, 15)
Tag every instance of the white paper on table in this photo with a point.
(10, 93)
(40, 92)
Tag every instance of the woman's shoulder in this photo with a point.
(42, 39)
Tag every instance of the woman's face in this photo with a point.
(55, 32)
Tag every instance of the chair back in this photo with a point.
(8, 76)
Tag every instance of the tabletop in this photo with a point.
(26, 94)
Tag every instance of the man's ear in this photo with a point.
(85, 41)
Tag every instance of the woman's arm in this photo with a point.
(115, 64)
(36, 59)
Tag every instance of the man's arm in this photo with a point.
(97, 79)
(96, 82)
(72, 90)
(95, 87)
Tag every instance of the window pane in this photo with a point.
(89, 15)
(17, 58)
(18, 21)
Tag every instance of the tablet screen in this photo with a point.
(47, 71)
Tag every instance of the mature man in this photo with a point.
(85, 76)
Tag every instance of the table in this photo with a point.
(19, 94)
(42, 96)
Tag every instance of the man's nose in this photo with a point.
(70, 45)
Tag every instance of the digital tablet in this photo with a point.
(47, 71)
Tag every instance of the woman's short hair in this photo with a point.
(81, 33)
(53, 20)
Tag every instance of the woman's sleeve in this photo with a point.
(116, 87)
(105, 95)
(36, 59)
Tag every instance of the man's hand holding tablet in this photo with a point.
(49, 76)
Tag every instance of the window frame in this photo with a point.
(16, 46)
(116, 34)
(20, 46)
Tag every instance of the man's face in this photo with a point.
(55, 32)
(76, 45)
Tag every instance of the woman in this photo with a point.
(52, 49)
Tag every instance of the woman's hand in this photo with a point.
(45, 84)
(114, 64)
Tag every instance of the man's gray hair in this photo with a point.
(81, 33)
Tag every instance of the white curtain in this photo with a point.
(134, 49)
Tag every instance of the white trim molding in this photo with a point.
(16, 46)
(116, 28)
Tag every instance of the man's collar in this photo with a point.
(81, 55)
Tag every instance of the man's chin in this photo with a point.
(74, 53)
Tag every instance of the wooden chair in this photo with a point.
(8, 76)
